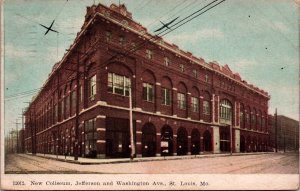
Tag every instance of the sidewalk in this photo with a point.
(89, 161)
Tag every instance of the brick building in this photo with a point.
(287, 133)
(181, 104)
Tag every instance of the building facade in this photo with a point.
(180, 104)
(287, 133)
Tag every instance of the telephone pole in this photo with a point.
(17, 150)
(276, 130)
(131, 126)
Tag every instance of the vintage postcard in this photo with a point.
(149, 95)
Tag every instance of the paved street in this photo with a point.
(254, 163)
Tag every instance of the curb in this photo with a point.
(151, 159)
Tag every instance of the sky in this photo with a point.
(258, 39)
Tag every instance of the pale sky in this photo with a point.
(255, 38)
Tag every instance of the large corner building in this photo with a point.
(181, 105)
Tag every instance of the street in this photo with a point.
(281, 163)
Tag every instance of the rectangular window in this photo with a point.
(241, 118)
(67, 107)
(55, 113)
(73, 101)
(181, 67)
(195, 73)
(81, 93)
(62, 109)
(206, 108)
(166, 96)
(195, 104)
(206, 78)
(181, 100)
(149, 54)
(108, 36)
(118, 84)
(247, 118)
(90, 135)
(148, 92)
(92, 87)
(121, 41)
(167, 61)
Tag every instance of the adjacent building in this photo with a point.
(181, 104)
(287, 133)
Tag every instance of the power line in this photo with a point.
(142, 44)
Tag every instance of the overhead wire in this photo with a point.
(178, 23)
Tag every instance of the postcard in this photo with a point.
(149, 95)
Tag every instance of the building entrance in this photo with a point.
(182, 141)
(166, 142)
(148, 140)
(117, 138)
(242, 144)
(207, 141)
(195, 140)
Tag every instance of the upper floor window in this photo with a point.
(92, 87)
(148, 92)
(108, 36)
(167, 61)
(62, 108)
(206, 108)
(149, 54)
(242, 119)
(181, 100)
(206, 78)
(195, 104)
(118, 84)
(121, 41)
(55, 113)
(263, 122)
(81, 93)
(225, 111)
(253, 120)
(247, 119)
(67, 107)
(133, 45)
(195, 73)
(166, 96)
(73, 101)
(181, 67)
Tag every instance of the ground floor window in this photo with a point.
(90, 137)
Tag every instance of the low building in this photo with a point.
(287, 133)
(180, 103)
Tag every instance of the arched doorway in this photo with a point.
(207, 141)
(195, 140)
(182, 141)
(242, 144)
(148, 140)
(166, 141)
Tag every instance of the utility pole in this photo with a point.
(284, 140)
(230, 139)
(17, 150)
(77, 110)
(12, 141)
(131, 126)
(276, 130)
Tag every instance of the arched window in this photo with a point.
(225, 112)
(242, 116)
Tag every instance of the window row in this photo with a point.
(149, 54)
